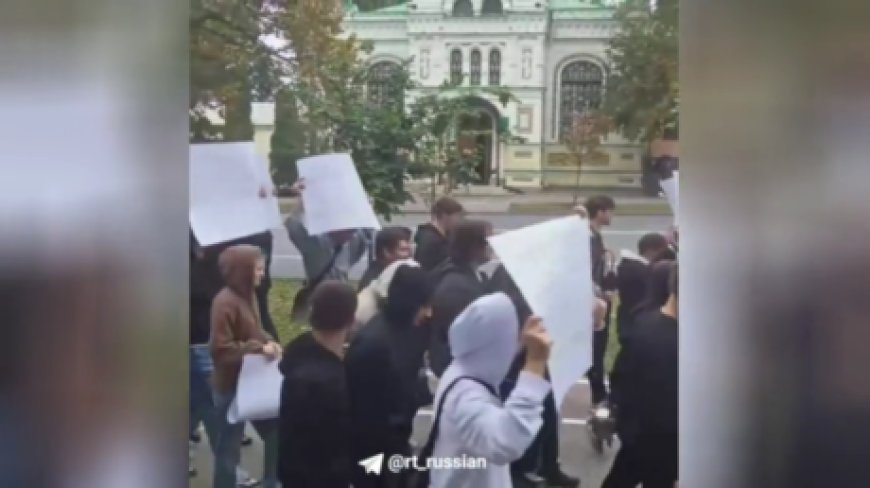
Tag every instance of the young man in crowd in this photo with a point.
(457, 283)
(391, 245)
(432, 238)
(236, 330)
(328, 256)
(383, 364)
(646, 394)
(314, 422)
(632, 275)
(600, 211)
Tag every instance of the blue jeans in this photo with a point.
(202, 408)
(228, 448)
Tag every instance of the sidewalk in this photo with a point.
(493, 200)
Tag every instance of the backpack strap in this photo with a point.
(422, 480)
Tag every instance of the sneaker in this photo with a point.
(247, 441)
(559, 479)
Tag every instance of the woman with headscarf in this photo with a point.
(471, 421)
(383, 364)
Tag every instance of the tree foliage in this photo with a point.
(643, 86)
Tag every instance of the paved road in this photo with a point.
(623, 234)
(577, 456)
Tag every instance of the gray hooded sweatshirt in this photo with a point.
(484, 342)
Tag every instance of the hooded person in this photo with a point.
(383, 364)
(236, 330)
(371, 298)
(633, 273)
(432, 238)
(314, 421)
(471, 422)
(458, 282)
(646, 395)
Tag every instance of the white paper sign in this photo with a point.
(334, 197)
(225, 188)
(671, 187)
(550, 264)
(258, 395)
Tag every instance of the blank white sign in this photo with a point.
(225, 186)
(258, 396)
(334, 197)
(550, 264)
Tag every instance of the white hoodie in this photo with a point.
(484, 340)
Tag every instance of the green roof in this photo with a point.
(586, 9)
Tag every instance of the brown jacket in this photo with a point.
(235, 320)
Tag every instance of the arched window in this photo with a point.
(475, 67)
(580, 90)
(456, 66)
(381, 84)
(463, 8)
(492, 7)
(494, 67)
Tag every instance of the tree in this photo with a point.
(288, 142)
(643, 86)
(584, 142)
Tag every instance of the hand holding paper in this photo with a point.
(258, 395)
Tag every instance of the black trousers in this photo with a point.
(596, 372)
(649, 467)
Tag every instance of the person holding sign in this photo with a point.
(470, 418)
(236, 330)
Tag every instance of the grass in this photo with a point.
(281, 300)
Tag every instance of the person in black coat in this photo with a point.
(600, 209)
(646, 397)
(540, 462)
(632, 276)
(391, 244)
(383, 367)
(432, 238)
(457, 283)
(314, 421)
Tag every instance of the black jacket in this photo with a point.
(314, 445)
(374, 270)
(456, 286)
(383, 363)
(431, 250)
(645, 383)
(632, 275)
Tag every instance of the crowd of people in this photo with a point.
(354, 381)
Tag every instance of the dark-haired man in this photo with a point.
(646, 394)
(600, 210)
(458, 282)
(314, 445)
(432, 238)
(391, 244)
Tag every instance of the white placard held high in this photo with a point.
(550, 264)
(258, 396)
(225, 189)
(671, 187)
(334, 197)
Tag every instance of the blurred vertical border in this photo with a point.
(93, 272)
(775, 136)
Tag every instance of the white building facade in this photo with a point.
(549, 53)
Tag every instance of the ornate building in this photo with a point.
(549, 53)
